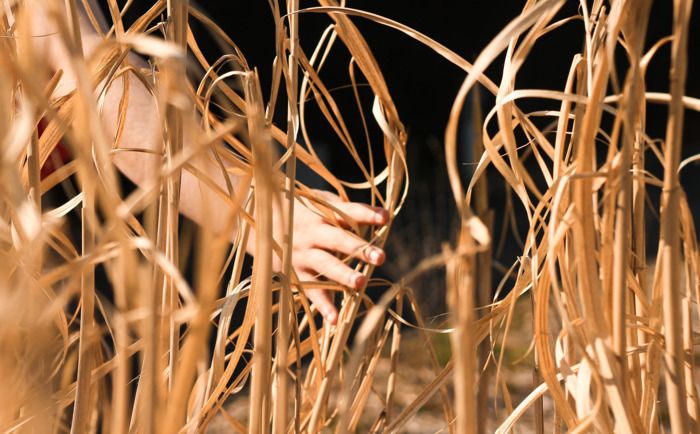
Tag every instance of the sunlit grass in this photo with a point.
(155, 353)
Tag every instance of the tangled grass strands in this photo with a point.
(144, 349)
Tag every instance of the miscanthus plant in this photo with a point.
(146, 350)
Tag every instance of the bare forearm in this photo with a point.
(139, 154)
(139, 146)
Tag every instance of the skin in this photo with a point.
(317, 243)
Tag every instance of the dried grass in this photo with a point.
(75, 360)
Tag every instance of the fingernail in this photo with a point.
(381, 217)
(376, 256)
(331, 317)
(357, 280)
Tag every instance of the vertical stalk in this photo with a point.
(669, 243)
(176, 76)
(584, 230)
(285, 299)
(688, 344)
(394, 360)
(84, 390)
(621, 249)
(638, 246)
(635, 30)
(639, 257)
(460, 299)
(81, 410)
(483, 262)
(538, 406)
(262, 264)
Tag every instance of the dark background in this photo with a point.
(422, 83)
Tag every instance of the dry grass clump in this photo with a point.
(74, 359)
(615, 336)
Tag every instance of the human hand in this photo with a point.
(317, 241)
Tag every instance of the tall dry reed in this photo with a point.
(606, 338)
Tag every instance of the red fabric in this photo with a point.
(58, 157)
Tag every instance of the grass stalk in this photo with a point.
(131, 353)
(262, 267)
(669, 243)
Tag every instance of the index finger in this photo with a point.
(362, 213)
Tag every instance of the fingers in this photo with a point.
(325, 264)
(359, 212)
(362, 213)
(338, 240)
(320, 300)
(316, 242)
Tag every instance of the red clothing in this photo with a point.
(58, 157)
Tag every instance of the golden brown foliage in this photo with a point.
(72, 359)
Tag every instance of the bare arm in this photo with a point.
(315, 240)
